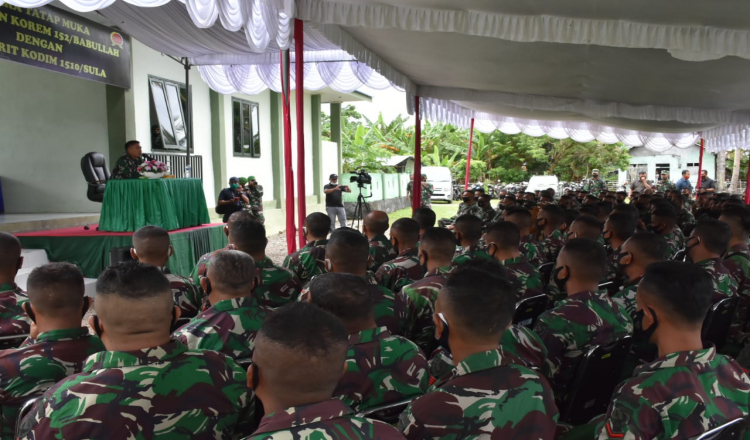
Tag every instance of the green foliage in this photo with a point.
(744, 159)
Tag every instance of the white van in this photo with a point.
(441, 180)
(540, 183)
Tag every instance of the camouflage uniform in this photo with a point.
(666, 185)
(738, 263)
(470, 253)
(725, 286)
(381, 369)
(485, 396)
(525, 277)
(463, 208)
(426, 199)
(381, 250)
(625, 298)
(576, 323)
(532, 250)
(672, 245)
(30, 370)
(422, 296)
(13, 320)
(255, 197)
(681, 395)
(187, 296)
(308, 261)
(685, 219)
(400, 271)
(166, 391)
(488, 216)
(278, 286)
(328, 420)
(229, 327)
(552, 245)
(595, 186)
(126, 168)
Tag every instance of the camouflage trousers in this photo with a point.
(445, 222)
(257, 213)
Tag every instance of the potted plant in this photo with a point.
(153, 169)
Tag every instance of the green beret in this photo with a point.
(251, 178)
(243, 181)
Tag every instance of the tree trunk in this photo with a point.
(721, 170)
(736, 171)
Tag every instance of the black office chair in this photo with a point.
(387, 413)
(529, 309)
(601, 366)
(95, 170)
(680, 255)
(718, 321)
(119, 255)
(730, 430)
(12, 341)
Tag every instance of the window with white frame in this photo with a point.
(168, 107)
(245, 128)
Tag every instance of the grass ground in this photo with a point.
(442, 210)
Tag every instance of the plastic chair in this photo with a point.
(529, 309)
(595, 381)
(727, 431)
(12, 341)
(96, 173)
(718, 321)
(387, 413)
(25, 410)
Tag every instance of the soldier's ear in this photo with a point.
(20, 263)
(226, 230)
(344, 371)
(171, 250)
(256, 282)
(439, 325)
(134, 254)
(563, 226)
(176, 314)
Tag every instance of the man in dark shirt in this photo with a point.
(126, 166)
(706, 183)
(231, 199)
(334, 204)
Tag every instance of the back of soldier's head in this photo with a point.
(649, 247)
(347, 297)
(134, 298)
(681, 290)
(405, 230)
(629, 209)
(554, 214)
(426, 217)
(56, 289)
(738, 219)
(621, 224)
(300, 351)
(469, 226)
(479, 304)
(318, 224)
(348, 250)
(571, 215)
(604, 208)
(714, 235)
(664, 215)
(591, 210)
(151, 242)
(10, 253)
(249, 236)
(587, 226)
(587, 257)
(505, 235)
(240, 216)
(519, 215)
(232, 273)
(438, 243)
(377, 222)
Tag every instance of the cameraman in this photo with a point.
(334, 204)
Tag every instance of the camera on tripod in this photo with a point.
(362, 178)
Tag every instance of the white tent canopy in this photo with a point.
(639, 72)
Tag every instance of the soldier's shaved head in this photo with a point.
(10, 257)
(348, 251)
(232, 273)
(299, 357)
(56, 289)
(376, 222)
(249, 236)
(438, 243)
(469, 226)
(151, 245)
(520, 216)
(347, 297)
(505, 235)
(681, 291)
(738, 219)
(318, 225)
(586, 226)
(406, 233)
(647, 247)
(426, 218)
(586, 257)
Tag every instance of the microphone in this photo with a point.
(146, 156)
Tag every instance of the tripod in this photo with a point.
(362, 208)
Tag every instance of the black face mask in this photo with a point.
(620, 271)
(687, 250)
(639, 333)
(466, 199)
(443, 340)
(560, 282)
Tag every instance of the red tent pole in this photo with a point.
(468, 159)
(416, 198)
(700, 165)
(299, 67)
(288, 172)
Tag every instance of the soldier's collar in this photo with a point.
(740, 247)
(411, 252)
(227, 305)
(317, 243)
(66, 334)
(515, 260)
(124, 359)
(443, 270)
(8, 287)
(265, 262)
(480, 362)
(582, 296)
(369, 335)
(678, 359)
(303, 415)
(633, 282)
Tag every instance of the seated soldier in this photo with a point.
(488, 214)
(634, 256)
(503, 241)
(618, 228)
(468, 229)
(551, 224)
(426, 218)
(468, 207)
(374, 226)
(664, 223)
(146, 385)
(380, 368)
(200, 268)
(229, 326)
(705, 246)
(277, 285)
(348, 252)
(299, 359)
(530, 248)
(487, 395)
(13, 321)
(405, 268)
(151, 245)
(689, 389)
(436, 250)
(310, 260)
(585, 226)
(58, 346)
(572, 215)
(685, 218)
(585, 318)
(737, 259)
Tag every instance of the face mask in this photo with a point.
(234, 186)
(620, 266)
(687, 249)
(560, 282)
(570, 235)
(466, 199)
(656, 229)
(443, 339)
(639, 333)
(595, 176)
(540, 223)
